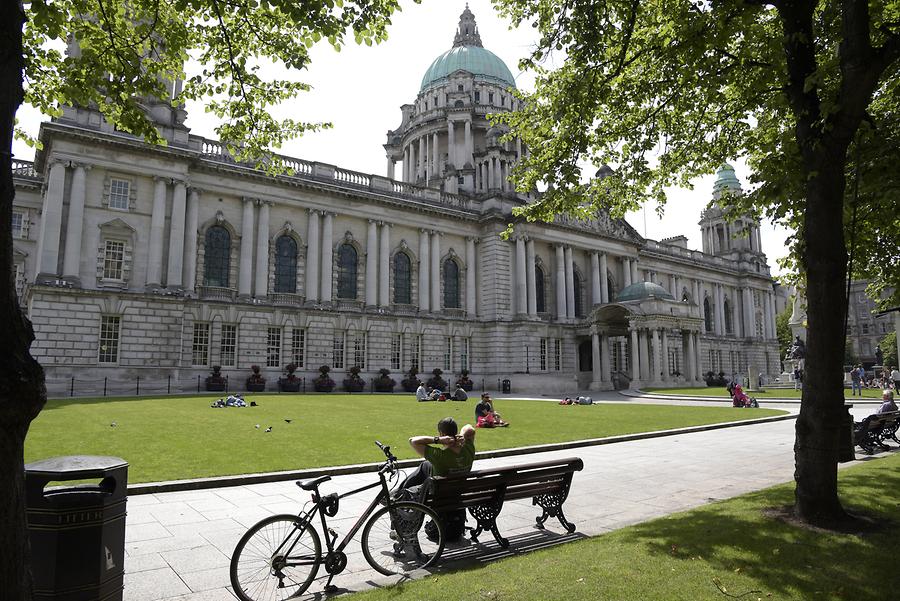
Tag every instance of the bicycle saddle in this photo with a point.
(311, 484)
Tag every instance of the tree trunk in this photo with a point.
(822, 406)
(22, 392)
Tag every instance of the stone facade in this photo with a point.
(160, 262)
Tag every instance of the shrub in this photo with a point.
(353, 382)
(323, 383)
(411, 381)
(384, 382)
(436, 381)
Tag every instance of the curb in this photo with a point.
(359, 468)
(722, 399)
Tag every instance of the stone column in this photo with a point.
(262, 250)
(435, 156)
(327, 256)
(490, 177)
(406, 164)
(605, 368)
(529, 277)
(390, 168)
(190, 240)
(635, 355)
(470, 148)
(422, 158)
(384, 269)
(665, 355)
(626, 271)
(424, 279)
(560, 283)
(656, 365)
(157, 227)
(570, 284)
(634, 272)
(690, 357)
(596, 368)
(51, 221)
(521, 278)
(676, 287)
(699, 359)
(596, 295)
(604, 279)
(471, 309)
(436, 271)
(75, 225)
(451, 143)
(372, 262)
(245, 274)
(312, 257)
(176, 235)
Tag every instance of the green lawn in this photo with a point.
(769, 393)
(682, 557)
(182, 437)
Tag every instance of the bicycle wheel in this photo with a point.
(276, 559)
(394, 540)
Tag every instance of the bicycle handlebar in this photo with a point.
(387, 452)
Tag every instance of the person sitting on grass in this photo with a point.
(485, 416)
(421, 393)
(460, 394)
(888, 405)
(434, 395)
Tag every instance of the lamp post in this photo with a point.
(527, 361)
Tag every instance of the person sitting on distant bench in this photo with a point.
(421, 394)
(888, 405)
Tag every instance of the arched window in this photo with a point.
(576, 284)
(729, 328)
(402, 279)
(539, 288)
(685, 297)
(707, 315)
(451, 284)
(217, 257)
(611, 290)
(286, 265)
(346, 271)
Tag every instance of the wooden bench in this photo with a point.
(483, 493)
(874, 430)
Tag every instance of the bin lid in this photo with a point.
(75, 464)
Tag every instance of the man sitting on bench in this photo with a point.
(888, 404)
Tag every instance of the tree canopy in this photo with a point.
(665, 91)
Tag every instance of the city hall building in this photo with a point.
(139, 261)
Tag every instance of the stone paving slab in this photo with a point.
(179, 545)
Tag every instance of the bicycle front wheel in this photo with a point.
(275, 560)
(396, 540)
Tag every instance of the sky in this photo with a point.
(360, 91)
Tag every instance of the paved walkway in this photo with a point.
(178, 544)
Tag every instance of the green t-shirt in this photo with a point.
(446, 462)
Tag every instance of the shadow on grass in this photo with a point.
(788, 559)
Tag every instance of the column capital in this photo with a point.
(314, 211)
(58, 161)
(161, 179)
(372, 221)
(247, 199)
(473, 239)
(79, 165)
(424, 230)
(385, 224)
(436, 233)
(261, 202)
(176, 181)
(194, 190)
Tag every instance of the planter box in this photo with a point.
(285, 385)
(256, 387)
(323, 386)
(215, 386)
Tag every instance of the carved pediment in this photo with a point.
(117, 227)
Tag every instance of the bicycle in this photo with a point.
(278, 557)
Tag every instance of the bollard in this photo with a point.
(226, 383)
(169, 384)
(72, 387)
(104, 386)
(304, 384)
(138, 388)
(198, 383)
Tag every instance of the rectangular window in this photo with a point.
(416, 352)
(18, 224)
(109, 338)
(490, 98)
(337, 350)
(448, 354)
(477, 96)
(119, 191)
(298, 347)
(865, 328)
(228, 347)
(359, 350)
(557, 354)
(543, 354)
(464, 354)
(273, 347)
(113, 259)
(614, 356)
(200, 344)
(397, 351)
(673, 361)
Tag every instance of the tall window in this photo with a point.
(347, 258)
(113, 259)
(337, 350)
(217, 256)
(448, 354)
(228, 347)
(109, 338)
(119, 191)
(673, 361)
(18, 224)
(451, 284)
(728, 325)
(359, 350)
(298, 347)
(707, 315)
(273, 347)
(200, 344)
(539, 288)
(544, 342)
(396, 351)
(576, 284)
(464, 354)
(285, 265)
(416, 351)
(402, 279)
(557, 354)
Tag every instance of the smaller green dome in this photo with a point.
(642, 291)
(726, 180)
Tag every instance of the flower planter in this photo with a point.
(320, 386)
(384, 386)
(355, 385)
(217, 385)
(256, 386)
(286, 385)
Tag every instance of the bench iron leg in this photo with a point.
(552, 507)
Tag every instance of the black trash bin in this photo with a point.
(507, 386)
(77, 532)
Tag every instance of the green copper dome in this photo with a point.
(642, 291)
(726, 180)
(468, 54)
(481, 63)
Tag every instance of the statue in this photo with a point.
(797, 350)
(879, 356)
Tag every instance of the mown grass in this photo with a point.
(182, 437)
(689, 556)
(768, 393)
